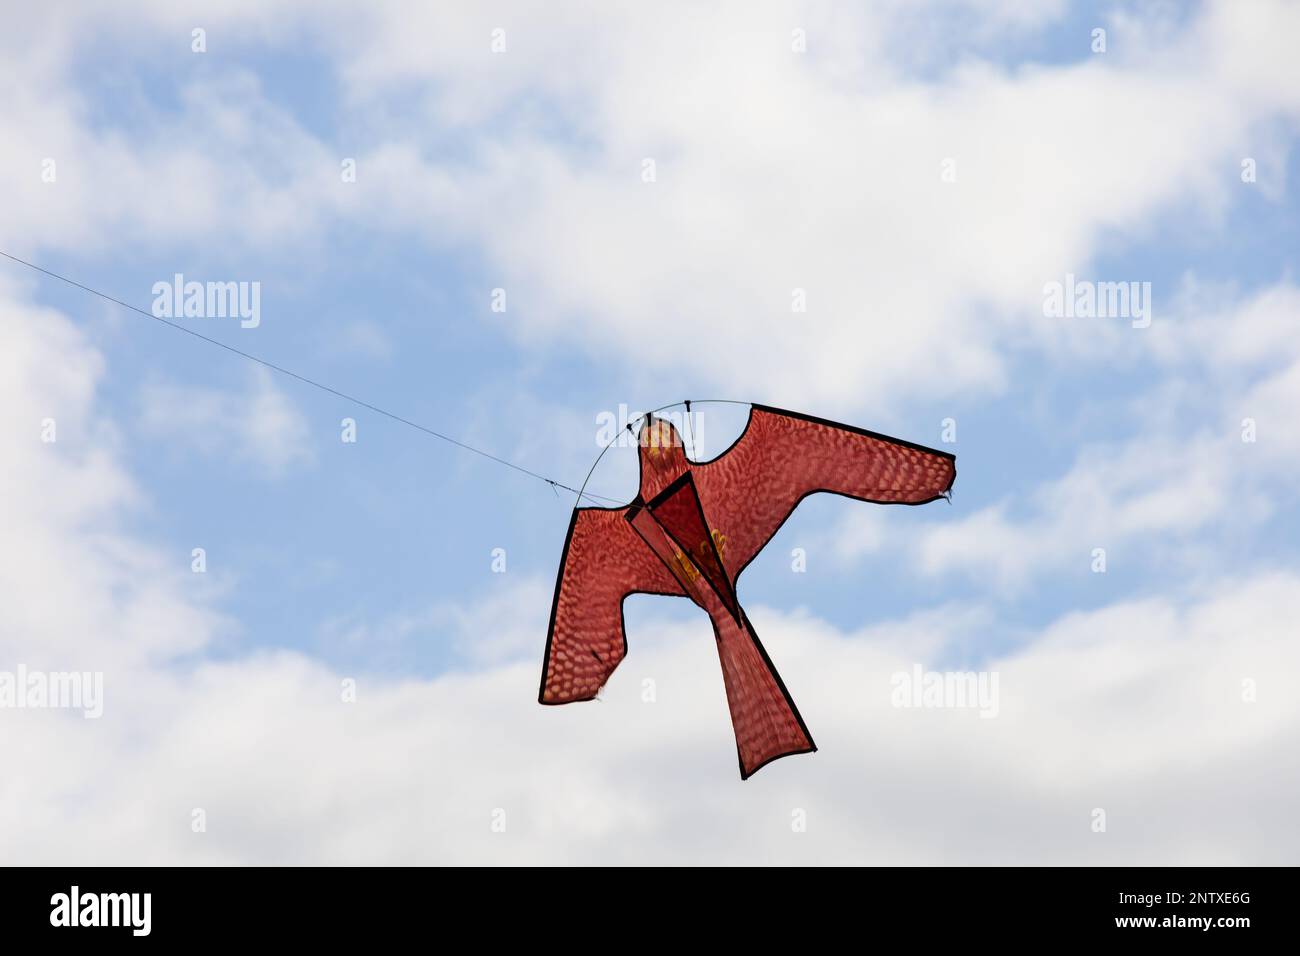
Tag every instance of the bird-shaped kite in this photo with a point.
(692, 530)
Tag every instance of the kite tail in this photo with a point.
(764, 717)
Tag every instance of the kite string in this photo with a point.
(305, 380)
(555, 485)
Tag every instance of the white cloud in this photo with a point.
(503, 625)
(857, 532)
(1137, 709)
(1185, 471)
(225, 162)
(79, 592)
(1110, 497)
(772, 175)
(261, 426)
(776, 171)
(1249, 353)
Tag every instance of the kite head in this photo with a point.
(661, 448)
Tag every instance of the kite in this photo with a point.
(690, 532)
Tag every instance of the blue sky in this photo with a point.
(775, 170)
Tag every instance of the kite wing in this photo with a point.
(604, 561)
(782, 457)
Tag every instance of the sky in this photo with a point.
(511, 223)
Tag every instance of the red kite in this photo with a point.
(692, 530)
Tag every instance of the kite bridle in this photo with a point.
(645, 416)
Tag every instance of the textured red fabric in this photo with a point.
(692, 530)
(763, 716)
(678, 511)
(604, 561)
(749, 490)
